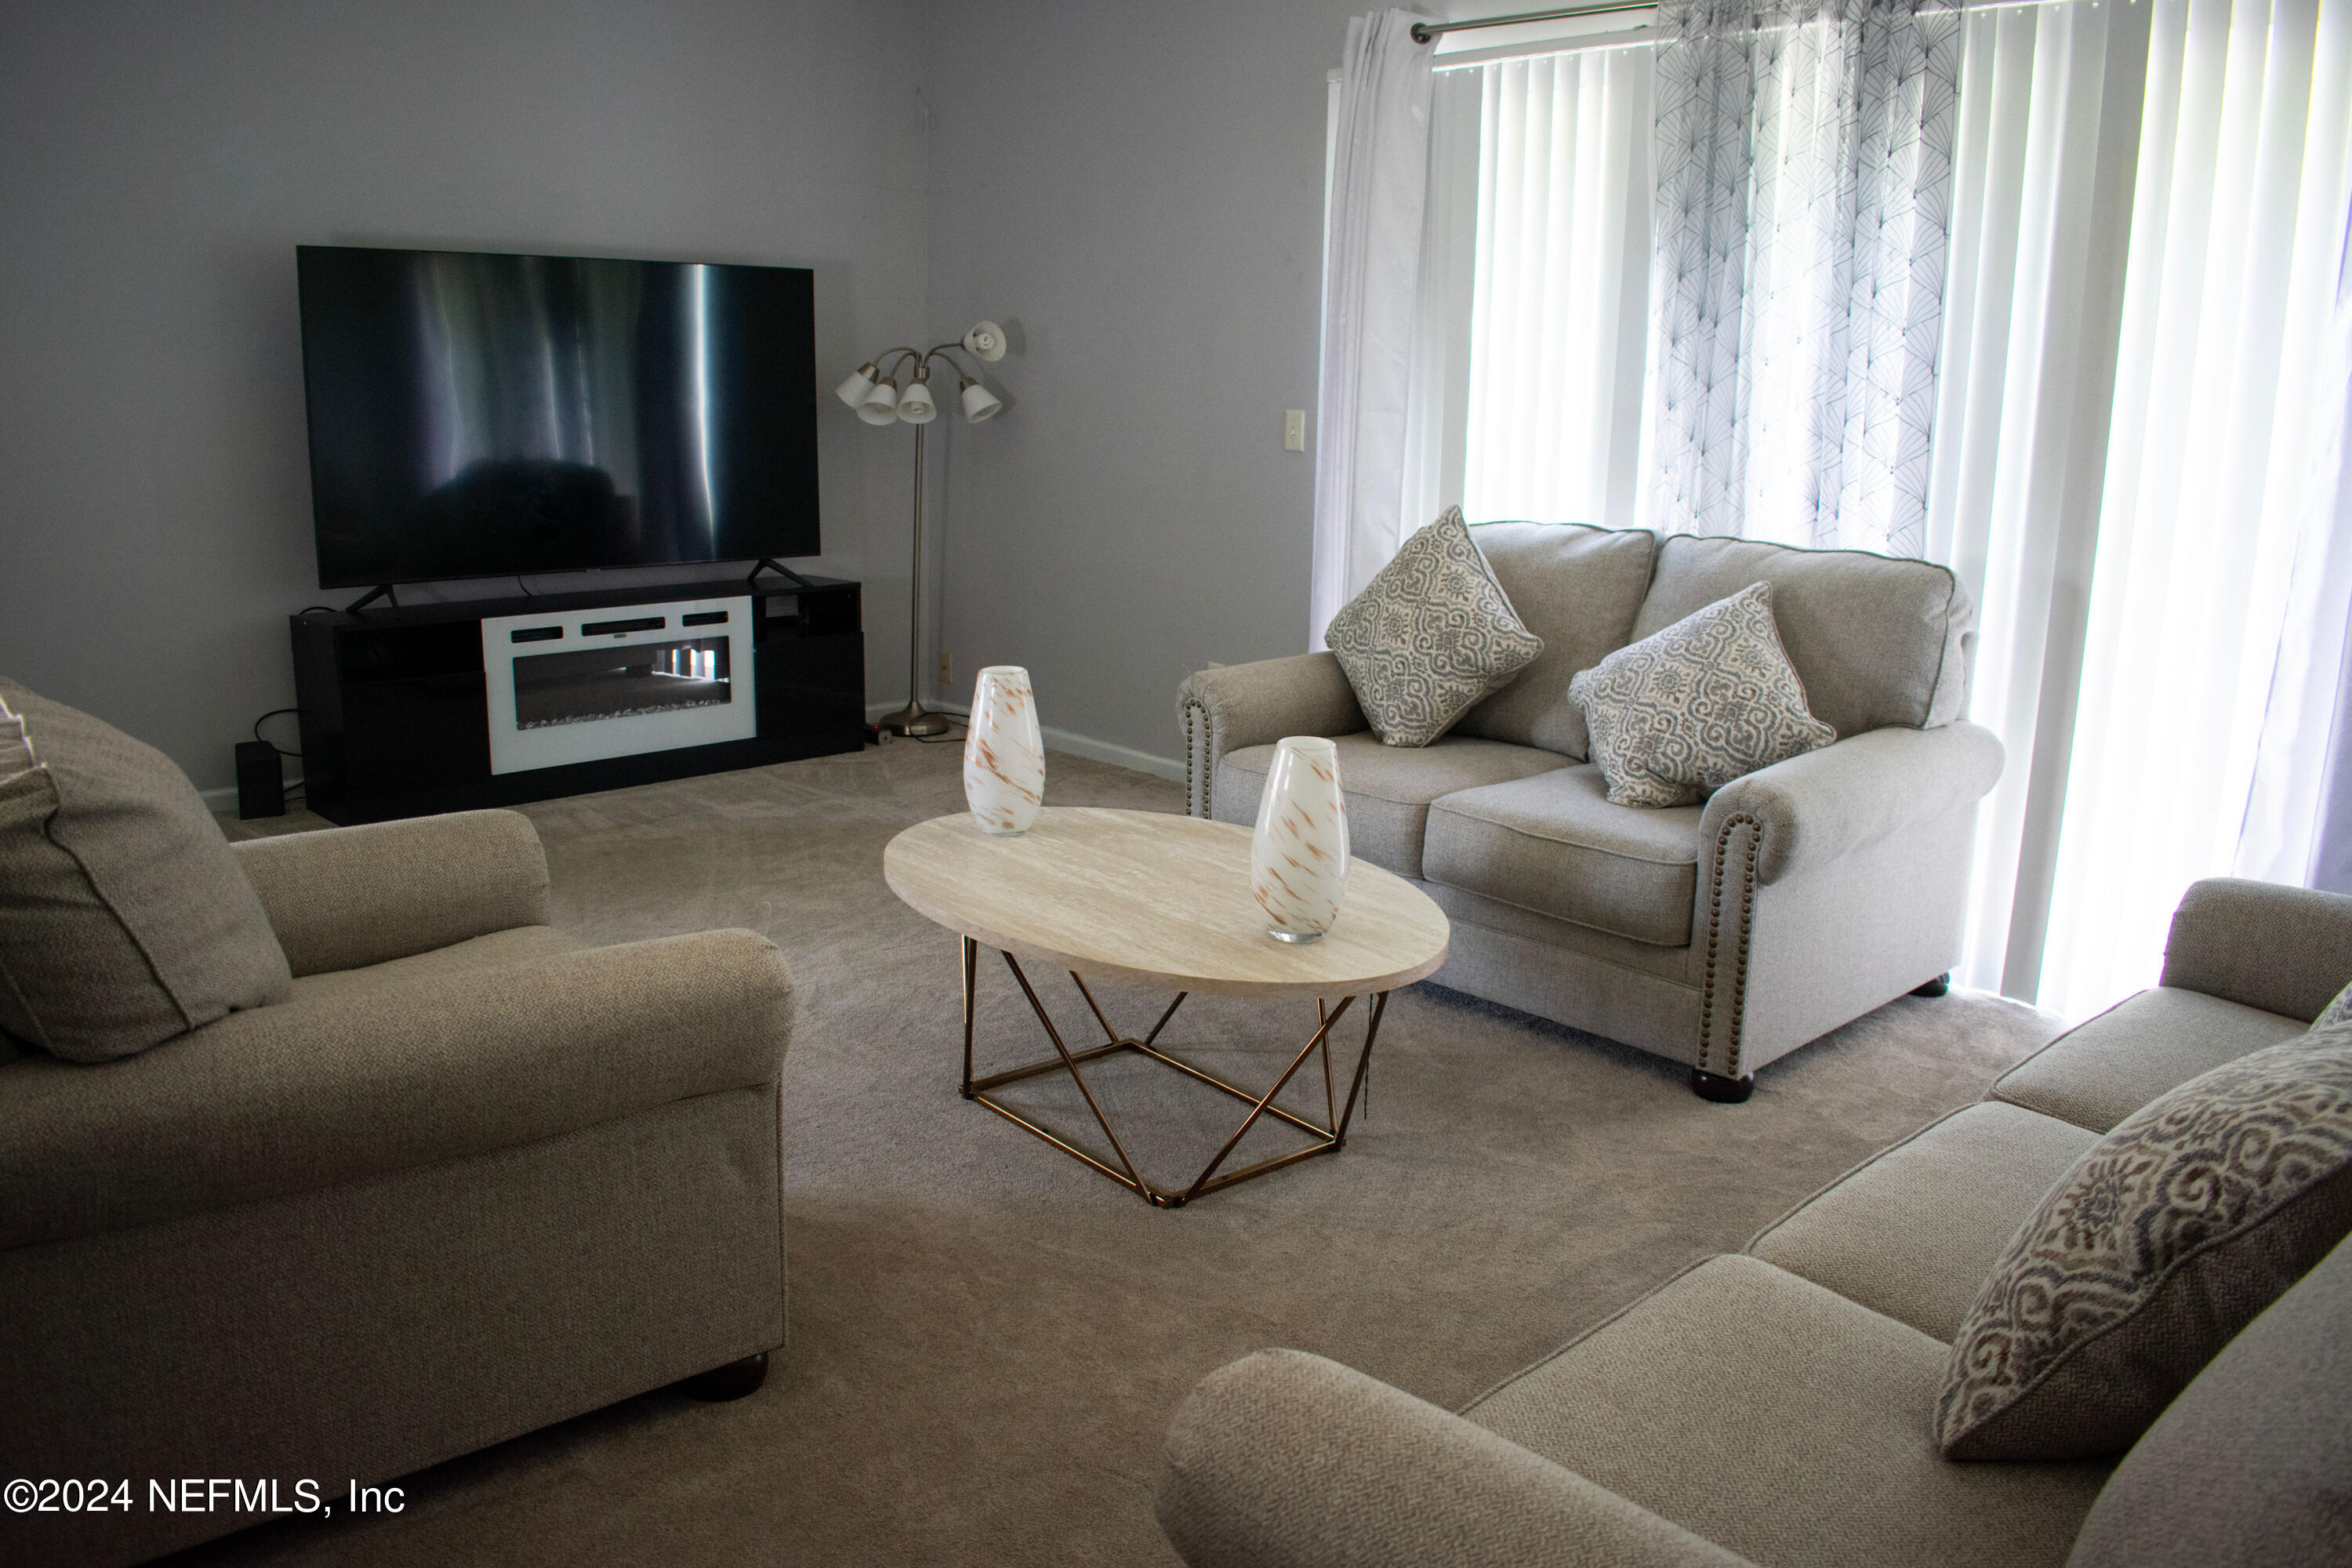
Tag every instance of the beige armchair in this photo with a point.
(1723, 935)
(472, 1178)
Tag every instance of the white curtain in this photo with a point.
(1559, 305)
(2236, 248)
(1371, 284)
(1803, 176)
(2288, 810)
(2330, 509)
(1437, 412)
(2045, 149)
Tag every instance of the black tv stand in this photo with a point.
(394, 703)
(381, 591)
(768, 563)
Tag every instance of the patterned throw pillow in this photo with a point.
(1431, 637)
(2336, 1012)
(2175, 1231)
(1712, 698)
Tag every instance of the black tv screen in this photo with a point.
(478, 415)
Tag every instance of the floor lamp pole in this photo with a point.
(913, 718)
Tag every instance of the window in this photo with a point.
(2055, 293)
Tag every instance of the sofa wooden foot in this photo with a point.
(1722, 1090)
(1939, 986)
(733, 1380)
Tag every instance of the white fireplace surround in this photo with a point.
(686, 679)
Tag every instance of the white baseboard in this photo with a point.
(1110, 752)
(1076, 745)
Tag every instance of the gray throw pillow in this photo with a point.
(2252, 1466)
(124, 920)
(1713, 697)
(2168, 1236)
(1429, 637)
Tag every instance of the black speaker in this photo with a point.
(260, 780)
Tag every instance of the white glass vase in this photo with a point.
(1299, 856)
(1003, 756)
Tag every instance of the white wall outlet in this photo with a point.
(1294, 429)
(947, 665)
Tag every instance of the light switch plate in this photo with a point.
(1294, 429)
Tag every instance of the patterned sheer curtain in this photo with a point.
(1805, 176)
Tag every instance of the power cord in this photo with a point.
(265, 740)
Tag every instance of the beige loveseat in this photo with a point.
(1776, 1406)
(1724, 935)
(472, 1178)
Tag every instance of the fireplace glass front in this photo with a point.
(588, 684)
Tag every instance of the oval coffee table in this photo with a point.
(1164, 901)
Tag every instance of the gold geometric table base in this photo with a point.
(1330, 1136)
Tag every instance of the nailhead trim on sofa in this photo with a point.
(1736, 984)
(1196, 796)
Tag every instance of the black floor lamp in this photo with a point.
(879, 398)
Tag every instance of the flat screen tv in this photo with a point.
(481, 416)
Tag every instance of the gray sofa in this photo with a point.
(1776, 1406)
(1723, 935)
(470, 1179)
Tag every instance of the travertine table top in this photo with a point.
(1157, 899)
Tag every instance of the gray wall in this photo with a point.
(159, 162)
(1136, 188)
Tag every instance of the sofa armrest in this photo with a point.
(2264, 944)
(1239, 705)
(1286, 1460)
(348, 1082)
(1871, 786)
(346, 897)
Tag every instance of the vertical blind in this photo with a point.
(2237, 245)
(2044, 155)
(1559, 316)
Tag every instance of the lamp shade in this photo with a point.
(986, 339)
(980, 403)
(853, 391)
(915, 404)
(880, 404)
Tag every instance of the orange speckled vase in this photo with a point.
(1003, 755)
(1299, 856)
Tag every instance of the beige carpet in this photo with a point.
(986, 1337)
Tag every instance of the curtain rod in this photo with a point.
(1429, 32)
